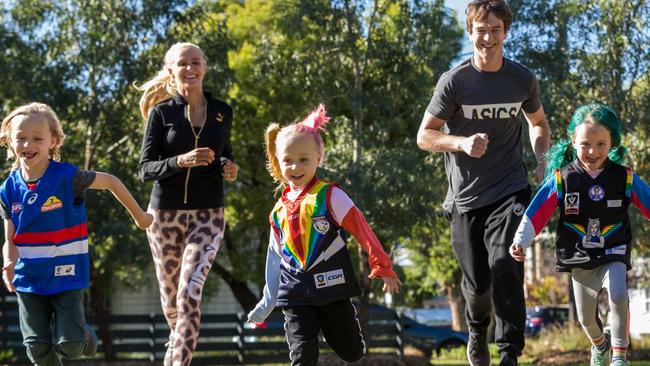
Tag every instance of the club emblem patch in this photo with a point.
(596, 193)
(321, 224)
(572, 203)
(51, 203)
(16, 207)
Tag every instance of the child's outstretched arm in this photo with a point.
(641, 195)
(352, 220)
(273, 261)
(536, 216)
(113, 184)
(9, 256)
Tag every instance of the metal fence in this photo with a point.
(225, 339)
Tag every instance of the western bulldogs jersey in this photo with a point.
(594, 227)
(50, 231)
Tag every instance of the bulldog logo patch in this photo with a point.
(52, 203)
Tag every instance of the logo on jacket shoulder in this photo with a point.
(330, 278)
(16, 207)
(51, 203)
(572, 203)
(321, 224)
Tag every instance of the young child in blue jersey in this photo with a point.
(309, 272)
(45, 254)
(592, 191)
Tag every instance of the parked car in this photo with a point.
(430, 316)
(429, 338)
(539, 317)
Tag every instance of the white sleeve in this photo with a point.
(273, 262)
(525, 234)
(340, 204)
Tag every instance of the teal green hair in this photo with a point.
(562, 153)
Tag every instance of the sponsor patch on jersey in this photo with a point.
(572, 203)
(16, 207)
(64, 270)
(614, 203)
(596, 193)
(518, 209)
(331, 278)
(52, 203)
(619, 250)
(321, 224)
(32, 198)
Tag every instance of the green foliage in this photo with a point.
(546, 291)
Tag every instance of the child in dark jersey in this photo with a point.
(592, 191)
(45, 254)
(308, 268)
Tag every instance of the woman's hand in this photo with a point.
(230, 170)
(201, 156)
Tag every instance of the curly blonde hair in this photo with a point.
(28, 110)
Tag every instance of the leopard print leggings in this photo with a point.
(184, 244)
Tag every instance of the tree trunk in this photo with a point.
(240, 290)
(456, 303)
(102, 315)
(364, 298)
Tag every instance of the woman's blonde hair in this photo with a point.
(312, 125)
(28, 110)
(162, 86)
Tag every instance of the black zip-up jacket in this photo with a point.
(168, 134)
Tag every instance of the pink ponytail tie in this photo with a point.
(316, 120)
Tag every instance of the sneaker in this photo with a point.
(91, 341)
(478, 353)
(618, 362)
(167, 361)
(508, 359)
(599, 358)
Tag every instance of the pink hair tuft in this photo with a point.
(316, 120)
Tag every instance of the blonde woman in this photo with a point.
(186, 151)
